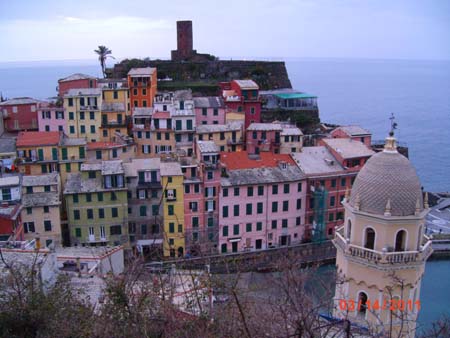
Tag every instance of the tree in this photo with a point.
(103, 53)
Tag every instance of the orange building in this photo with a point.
(142, 83)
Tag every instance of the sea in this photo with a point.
(350, 91)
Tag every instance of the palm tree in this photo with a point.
(103, 53)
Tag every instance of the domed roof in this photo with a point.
(387, 176)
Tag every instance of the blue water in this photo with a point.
(366, 92)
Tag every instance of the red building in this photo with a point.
(20, 114)
(243, 96)
(353, 132)
(143, 85)
(11, 227)
(75, 81)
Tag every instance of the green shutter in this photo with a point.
(81, 152)
(64, 153)
(55, 154)
(41, 154)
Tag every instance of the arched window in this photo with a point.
(369, 242)
(362, 304)
(419, 237)
(400, 241)
(349, 229)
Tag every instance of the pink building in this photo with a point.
(209, 110)
(50, 117)
(76, 81)
(353, 132)
(262, 202)
(20, 114)
(273, 137)
(243, 96)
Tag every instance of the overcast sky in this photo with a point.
(63, 29)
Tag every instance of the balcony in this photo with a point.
(114, 124)
(89, 107)
(231, 141)
(94, 239)
(149, 184)
(382, 259)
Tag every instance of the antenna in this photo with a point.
(393, 124)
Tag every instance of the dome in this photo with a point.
(387, 176)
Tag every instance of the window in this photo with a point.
(70, 102)
(88, 197)
(195, 222)
(114, 153)
(115, 230)
(298, 220)
(171, 227)
(114, 212)
(225, 192)
(248, 209)
(284, 223)
(369, 242)
(258, 226)
(29, 211)
(343, 182)
(299, 187)
(332, 201)
(236, 229)
(113, 196)
(249, 191)
(155, 210)
(236, 210)
(68, 167)
(92, 174)
(299, 203)
(204, 111)
(143, 229)
(47, 225)
(236, 191)
(29, 227)
(285, 205)
(8, 191)
(225, 231)
(210, 175)
(170, 210)
(274, 224)
(260, 190)
(72, 129)
(82, 115)
(274, 189)
(143, 210)
(286, 188)
(248, 227)
(180, 227)
(225, 211)
(330, 217)
(81, 152)
(333, 183)
(210, 221)
(64, 153)
(259, 207)
(100, 196)
(90, 213)
(75, 198)
(254, 135)
(169, 179)
(46, 209)
(44, 169)
(76, 214)
(92, 129)
(101, 213)
(91, 116)
(274, 206)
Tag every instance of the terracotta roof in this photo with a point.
(38, 138)
(102, 145)
(241, 160)
(161, 115)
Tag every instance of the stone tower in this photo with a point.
(381, 248)
(184, 41)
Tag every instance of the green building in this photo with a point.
(97, 206)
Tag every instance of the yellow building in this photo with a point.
(83, 113)
(234, 116)
(228, 137)
(173, 206)
(72, 155)
(382, 249)
(41, 208)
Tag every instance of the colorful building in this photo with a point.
(209, 110)
(72, 153)
(75, 81)
(228, 137)
(142, 132)
(183, 122)
(142, 84)
(51, 117)
(8, 153)
(243, 96)
(273, 137)
(353, 132)
(97, 206)
(83, 114)
(262, 202)
(163, 136)
(173, 209)
(11, 228)
(20, 114)
(124, 149)
(145, 210)
(41, 202)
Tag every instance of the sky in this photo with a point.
(32, 30)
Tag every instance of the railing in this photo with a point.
(235, 141)
(150, 184)
(114, 124)
(88, 107)
(93, 239)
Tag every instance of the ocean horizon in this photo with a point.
(350, 91)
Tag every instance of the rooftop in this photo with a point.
(161, 115)
(10, 212)
(103, 145)
(91, 167)
(7, 145)
(184, 94)
(291, 131)
(215, 128)
(241, 160)
(208, 102)
(85, 252)
(141, 164)
(38, 138)
(19, 100)
(247, 84)
(349, 148)
(77, 76)
(40, 180)
(287, 96)
(9, 180)
(142, 111)
(137, 72)
(73, 141)
(316, 160)
(265, 127)
(84, 92)
(262, 175)
(40, 199)
(207, 146)
(170, 169)
(112, 167)
(354, 130)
